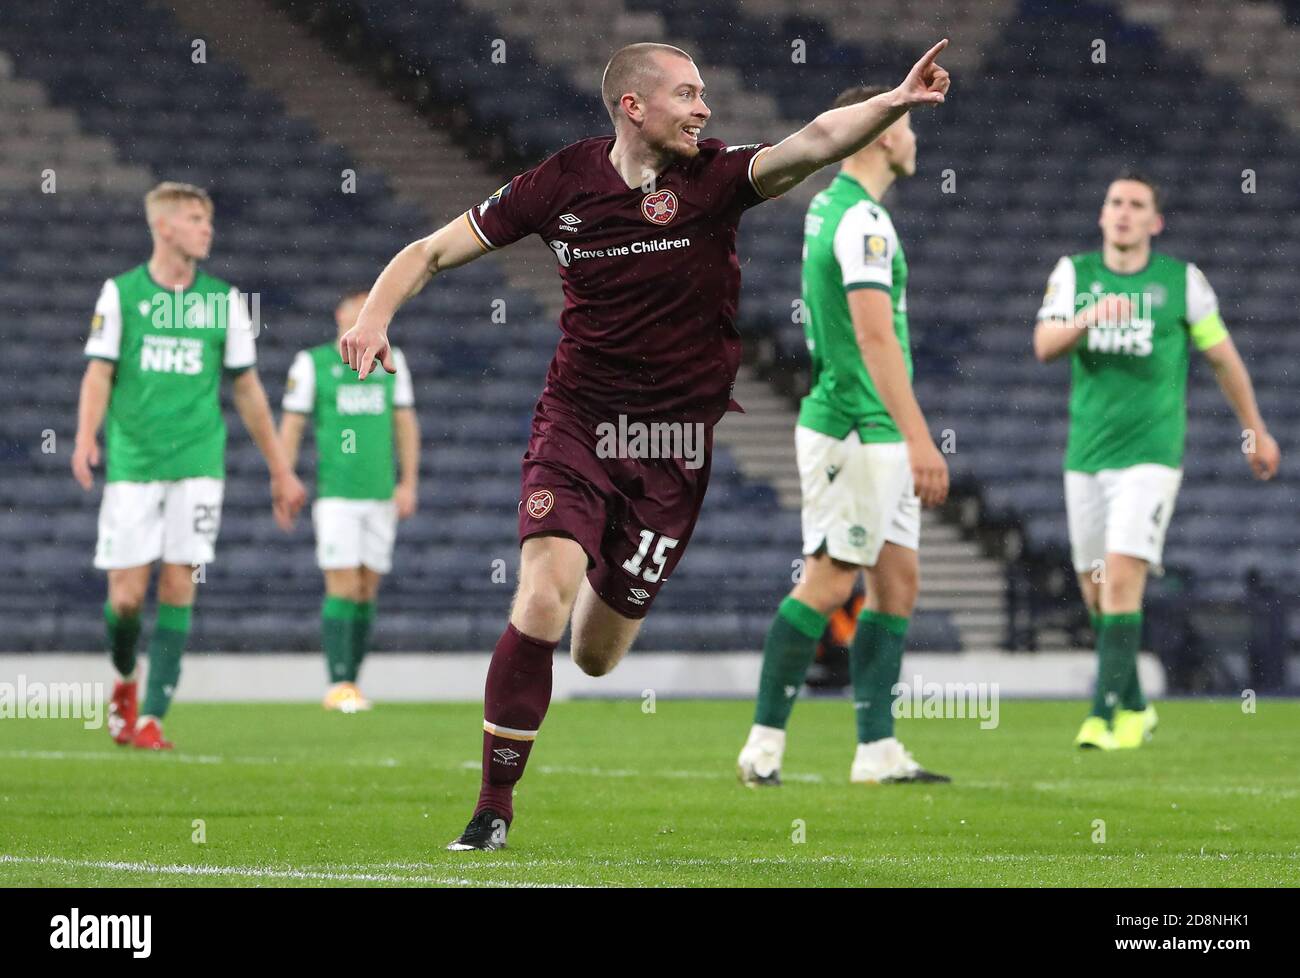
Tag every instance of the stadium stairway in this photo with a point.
(431, 174)
(46, 150)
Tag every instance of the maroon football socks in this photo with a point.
(514, 704)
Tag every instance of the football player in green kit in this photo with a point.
(1128, 318)
(162, 336)
(867, 464)
(358, 424)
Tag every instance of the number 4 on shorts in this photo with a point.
(633, 564)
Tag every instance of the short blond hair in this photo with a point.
(170, 192)
(634, 69)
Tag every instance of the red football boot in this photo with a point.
(149, 736)
(122, 711)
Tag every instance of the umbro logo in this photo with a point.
(638, 594)
(570, 219)
(506, 754)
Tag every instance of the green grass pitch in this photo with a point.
(288, 795)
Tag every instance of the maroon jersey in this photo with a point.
(651, 280)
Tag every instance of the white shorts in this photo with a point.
(355, 533)
(1120, 511)
(139, 522)
(856, 497)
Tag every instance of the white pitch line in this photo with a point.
(256, 872)
(1254, 791)
(388, 762)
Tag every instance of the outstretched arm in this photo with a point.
(838, 133)
(1262, 452)
(452, 245)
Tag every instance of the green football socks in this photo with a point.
(361, 636)
(1118, 640)
(338, 631)
(122, 637)
(170, 633)
(875, 658)
(787, 653)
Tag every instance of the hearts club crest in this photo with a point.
(659, 207)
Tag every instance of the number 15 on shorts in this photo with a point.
(634, 563)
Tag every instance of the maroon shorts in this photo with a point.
(633, 516)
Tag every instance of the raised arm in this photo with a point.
(410, 270)
(838, 133)
(1055, 337)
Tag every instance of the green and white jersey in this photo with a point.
(849, 243)
(164, 417)
(1128, 390)
(353, 420)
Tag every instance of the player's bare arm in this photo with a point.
(874, 327)
(406, 433)
(92, 404)
(292, 425)
(1056, 337)
(838, 133)
(287, 493)
(1234, 380)
(410, 270)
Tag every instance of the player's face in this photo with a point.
(1128, 215)
(187, 227)
(675, 111)
(902, 147)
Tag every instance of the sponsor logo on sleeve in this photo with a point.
(875, 250)
(496, 196)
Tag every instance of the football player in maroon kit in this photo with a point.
(643, 226)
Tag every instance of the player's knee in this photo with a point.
(591, 663)
(126, 603)
(176, 586)
(896, 594)
(825, 598)
(368, 585)
(542, 607)
(595, 659)
(826, 589)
